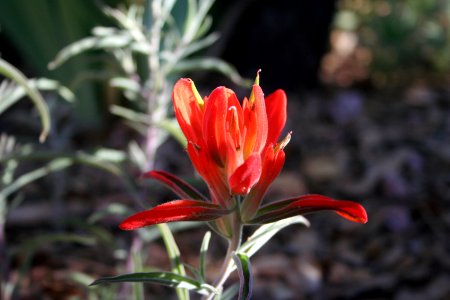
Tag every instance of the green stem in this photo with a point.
(227, 266)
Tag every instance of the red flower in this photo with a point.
(236, 151)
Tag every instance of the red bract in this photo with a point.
(235, 149)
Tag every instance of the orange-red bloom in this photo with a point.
(236, 149)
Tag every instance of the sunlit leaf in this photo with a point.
(203, 251)
(174, 256)
(264, 233)
(211, 64)
(14, 74)
(195, 21)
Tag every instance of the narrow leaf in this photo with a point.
(72, 50)
(174, 255)
(178, 186)
(245, 275)
(211, 64)
(203, 251)
(14, 74)
(53, 166)
(264, 233)
(162, 278)
(230, 293)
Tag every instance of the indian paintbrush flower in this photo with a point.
(236, 150)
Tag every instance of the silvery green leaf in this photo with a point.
(211, 64)
(10, 93)
(14, 74)
(72, 50)
(205, 27)
(174, 255)
(200, 44)
(196, 20)
(102, 31)
(264, 233)
(125, 84)
(203, 251)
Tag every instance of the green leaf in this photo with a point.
(53, 166)
(230, 293)
(199, 45)
(264, 233)
(205, 27)
(126, 84)
(10, 93)
(174, 255)
(14, 74)
(245, 275)
(195, 20)
(172, 127)
(117, 41)
(203, 251)
(72, 50)
(112, 209)
(152, 233)
(211, 64)
(162, 278)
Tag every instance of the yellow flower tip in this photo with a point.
(251, 99)
(283, 143)
(199, 99)
(257, 77)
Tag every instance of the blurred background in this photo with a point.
(368, 86)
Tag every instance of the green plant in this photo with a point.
(151, 48)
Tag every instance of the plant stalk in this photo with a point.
(227, 266)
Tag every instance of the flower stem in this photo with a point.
(233, 244)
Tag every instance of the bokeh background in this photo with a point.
(368, 86)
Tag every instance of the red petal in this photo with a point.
(310, 204)
(177, 185)
(271, 166)
(350, 210)
(255, 117)
(177, 210)
(276, 104)
(209, 171)
(214, 124)
(246, 175)
(187, 110)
